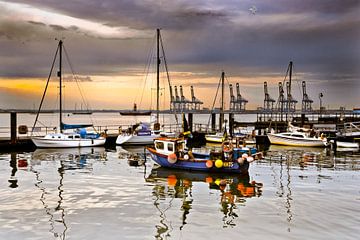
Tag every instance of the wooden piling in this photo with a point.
(213, 122)
(190, 118)
(13, 126)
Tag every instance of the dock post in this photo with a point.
(213, 122)
(231, 124)
(190, 117)
(13, 128)
(221, 121)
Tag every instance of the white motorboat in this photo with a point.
(141, 135)
(296, 139)
(78, 137)
(341, 144)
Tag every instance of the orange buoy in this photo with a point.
(209, 164)
(172, 158)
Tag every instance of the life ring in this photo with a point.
(172, 158)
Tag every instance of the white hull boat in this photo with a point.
(60, 140)
(296, 139)
(134, 139)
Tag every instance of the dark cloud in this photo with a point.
(37, 23)
(57, 27)
(321, 37)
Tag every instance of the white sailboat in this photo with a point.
(74, 135)
(142, 134)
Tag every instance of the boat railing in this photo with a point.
(350, 127)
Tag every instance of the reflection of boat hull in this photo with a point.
(44, 142)
(280, 139)
(197, 164)
(162, 172)
(341, 144)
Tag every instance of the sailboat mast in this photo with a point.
(60, 87)
(157, 73)
(222, 91)
(290, 75)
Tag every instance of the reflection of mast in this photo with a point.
(48, 210)
(281, 191)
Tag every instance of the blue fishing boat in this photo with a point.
(172, 153)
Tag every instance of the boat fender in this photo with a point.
(219, 163)
(209, 164)
(245, 155)
(241, 161)
(172, 158)
(186, 157)
(250, 159)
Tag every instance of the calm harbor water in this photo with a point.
(93, 193)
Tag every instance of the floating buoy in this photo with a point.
(172, 158)
(219, 163)
(209, 164)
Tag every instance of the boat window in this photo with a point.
(159, 145)
(298, 135)
(71, 137)
(170, 147)
(76, 136)
(59, 137)
(53, 136)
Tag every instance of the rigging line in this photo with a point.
(76, 79)
(47, 84)
(146, 68)
(167, 74)
(212, 108)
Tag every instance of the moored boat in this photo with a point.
(299, 139)
(78, 137)
(172, 153)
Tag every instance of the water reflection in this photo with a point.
(305, 157)
(174, 184)
(66, 160)
(135, 155)
(70, 158)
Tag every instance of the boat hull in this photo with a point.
(42, 142)
(197, 164)
(298, 142)
(135, 139)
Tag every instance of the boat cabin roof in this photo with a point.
(167, 139)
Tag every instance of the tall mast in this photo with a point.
(157, 74)
(290, 75)
(222, 91)
(221, 120)
(60, 87)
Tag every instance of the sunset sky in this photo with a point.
(108, 42)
